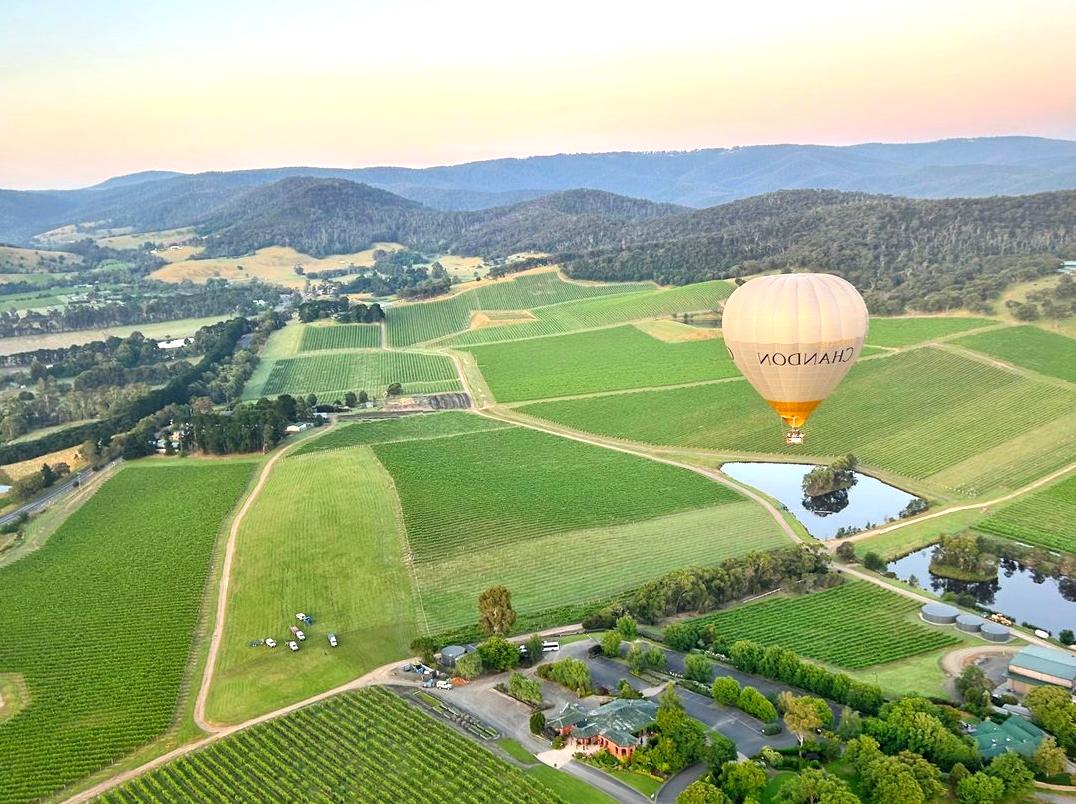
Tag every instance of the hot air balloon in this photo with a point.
(794, 337)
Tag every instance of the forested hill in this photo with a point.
(899, 252)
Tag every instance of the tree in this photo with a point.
(526, 689)
(535, 648)
(1052, 708)
(1066, 637)
(1014, 773)
(874, 562)
(394, 389)
(980, 788)
(311, 400)
(698, 668)
(537, 723)
(495, 612)
(498, 654)
(469, 665)
(726, 690)
(846, 552)
(701, 791)
(628, 628)
(850, 724)
(611, 644)
(424, 647)
(801, 715)
(742, 780)
(627, 691)
(571, 673)
(719, 750)
(812, 786)
(681, 740)
(755, 704)
(1048, 759)
(974, 687)
(350, 399)
(363, 397)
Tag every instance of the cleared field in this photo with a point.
(164, 330)
(35, 300)
(15, 260)
(103, 645)
(609, 311)
(409, 324)
(1046, 518)
(360, 746)
(917, 413)
(405, 428)
(274, 264)
(898, 332)
(324, 537)
(131, 240)
(671, 331)
(340, 336)
(601, 360)
(329, 376)
(1030, 347)
(545, 572)
(854, 625)
(502, 487)
(72, 457)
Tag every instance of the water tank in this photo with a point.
(969, 623)
(995, 632)
(939, 613)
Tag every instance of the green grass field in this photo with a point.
(927, 413)
(340, 336)
(323, 537)
(404, 428)
(409, 324)
(502, 487)
(898, 332)
(1046, 517)
(329, 376)
(601, 312)
(361, 746)
(1030, 347)
(100, 621)
(601, 360)
(854, 625)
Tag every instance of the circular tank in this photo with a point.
(940, 613)
(995, 632)
(969, 623)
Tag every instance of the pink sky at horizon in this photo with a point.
(90, 93)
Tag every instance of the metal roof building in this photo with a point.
(1035, 665)
(1015, 734)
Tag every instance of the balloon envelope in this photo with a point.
(794, 337)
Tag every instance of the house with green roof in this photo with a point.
(619, 726)
(1034, 666)
(1015, 734)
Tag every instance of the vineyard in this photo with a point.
(854, 625)
(546, 572)
(502, 487)
(323, 537)
(337, 751)
(99, 621)
(330, 376)
(340, 336)
(409, 324)
(603, 312)
(899, 332)
(405, 428)
(885, 411)
(600, 360)
(1046, 518)
(1030, 347)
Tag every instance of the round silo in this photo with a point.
(939, 613)
(969, 623)
(995, 632)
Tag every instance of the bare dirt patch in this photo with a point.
(72, 457)
(670, 331)
(497, 318)
(14, 695)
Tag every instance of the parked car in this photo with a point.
(332, 640)
(293, 645)
(407, 668)
(298, 634)
(444, 685)
(270, 642)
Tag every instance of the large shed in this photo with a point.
(940, 613)
(969, 623)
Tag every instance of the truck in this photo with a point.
(332, 640)
(297, 633)
(293, 645)
(444, 685)
(270, 642)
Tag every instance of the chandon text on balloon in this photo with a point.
(807, 358)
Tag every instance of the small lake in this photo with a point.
(1019, 591)
(869, 501)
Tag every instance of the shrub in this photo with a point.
(469, 665)
(610, 644)
(627, 627)
(526, 689)
(537, 723)
(726, 690)
(698, 668)
(682, 636)
(873, 561)
(570, 673)
(755, 704)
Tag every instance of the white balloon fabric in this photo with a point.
(794, 337)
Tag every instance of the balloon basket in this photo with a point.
(793, 437)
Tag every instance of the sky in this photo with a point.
(97, 89)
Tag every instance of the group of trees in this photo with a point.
(341, 309)
(32, 484)
(837, 476)
(1055, 302)
(570, 673)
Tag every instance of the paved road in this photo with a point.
(53, 493)
(675, 786)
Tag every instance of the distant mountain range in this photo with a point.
(947, 168)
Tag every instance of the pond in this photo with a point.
(1019, 592)
(868, 502)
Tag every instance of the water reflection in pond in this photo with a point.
(868, 502)
(1019, 592)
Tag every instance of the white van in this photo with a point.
(549, 645)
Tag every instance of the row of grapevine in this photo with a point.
(99, 622)
(327, 375)
(361, 746)
(854, 625)
(408, 428)
(340, 336)
(1046, 517)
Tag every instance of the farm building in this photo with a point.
(940, 613)
(298, 427)
(1015, 734)
(969, 623)
(618, 726)
(1034, 666)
